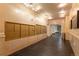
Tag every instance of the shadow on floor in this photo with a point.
(51, 46)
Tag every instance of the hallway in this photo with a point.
(51, 46)
(33, 29)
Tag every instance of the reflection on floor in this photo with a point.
(51, 46)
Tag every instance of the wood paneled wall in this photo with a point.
(17, 30)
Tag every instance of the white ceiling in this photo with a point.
(53, 9)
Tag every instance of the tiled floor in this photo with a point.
(51, 46)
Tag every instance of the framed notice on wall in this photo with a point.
(74, 22)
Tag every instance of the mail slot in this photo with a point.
(31, 30)
(9, 31)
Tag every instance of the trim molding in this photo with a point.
(2, 35)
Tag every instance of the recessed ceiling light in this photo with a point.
(33, 6)
(36, 8)
(28, 4)
(62, 11)
(61, 15)
(62, 5)
(50, 17)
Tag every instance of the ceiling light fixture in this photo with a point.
(50, 17)
(62, 11)
(62, 5)
(35, 7)
(62, 15)
(28, 4)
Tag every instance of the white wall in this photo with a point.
(19, 14)
(55, 21)
(72, 34)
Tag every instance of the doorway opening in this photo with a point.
(55, 28)
(56, 31)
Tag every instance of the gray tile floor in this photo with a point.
(51, 46)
